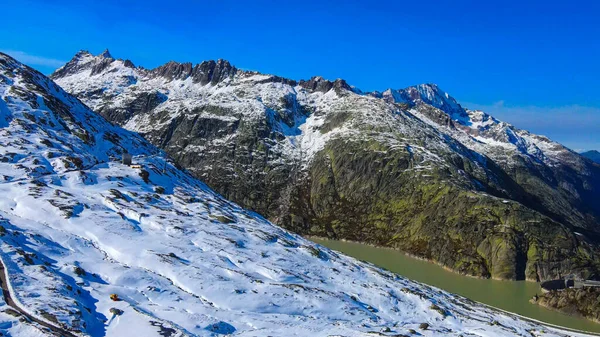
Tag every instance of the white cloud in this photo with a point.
(34, 60)
(499, 104)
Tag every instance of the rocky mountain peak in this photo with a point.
(128, 64)
(213, 72)
(430, 94)
(82, 53)
(105, 54)
(76, 64)
(173, 70)
(206, 72)
(83, 60)
(593, 155)
(318, 83)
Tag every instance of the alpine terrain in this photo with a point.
(409, 169)
(91, 246)
(593, 155)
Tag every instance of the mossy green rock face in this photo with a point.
(357, 193)
(409, 169)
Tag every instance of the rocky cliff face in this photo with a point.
(408, 168)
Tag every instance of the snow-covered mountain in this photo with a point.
(409, 168)
(476, 129)
(76, 226)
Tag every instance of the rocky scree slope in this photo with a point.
(409, 169)
(76, 225)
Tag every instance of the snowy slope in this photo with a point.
(183, 260)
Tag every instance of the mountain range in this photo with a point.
(91, 247)
(405, 168)
(593, 155)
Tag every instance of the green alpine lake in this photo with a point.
(512, 296)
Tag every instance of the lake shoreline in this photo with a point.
(310, 237)
(512, 297)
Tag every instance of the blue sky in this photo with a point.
(534, 64)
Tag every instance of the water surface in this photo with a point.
(511, 296)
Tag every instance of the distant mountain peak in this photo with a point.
(593, 155)
(432, 94)
(105, 54)
(84, 60)
(318, 83)
(427, 93)
(82, 53)
(206, 72)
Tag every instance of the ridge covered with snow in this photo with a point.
(105, 83)
(476, 129)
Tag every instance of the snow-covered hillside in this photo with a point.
(77, 226)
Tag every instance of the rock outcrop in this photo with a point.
(583, 302)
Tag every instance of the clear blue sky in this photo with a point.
(532, 63)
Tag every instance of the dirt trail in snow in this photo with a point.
(9, 300)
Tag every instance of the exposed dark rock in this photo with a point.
(128, 64)
(102, 65)
(173, 70)
(212, 72)
(277, 79)
(318, 83)
(583, 302)
(142, 103)
(206, 72)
